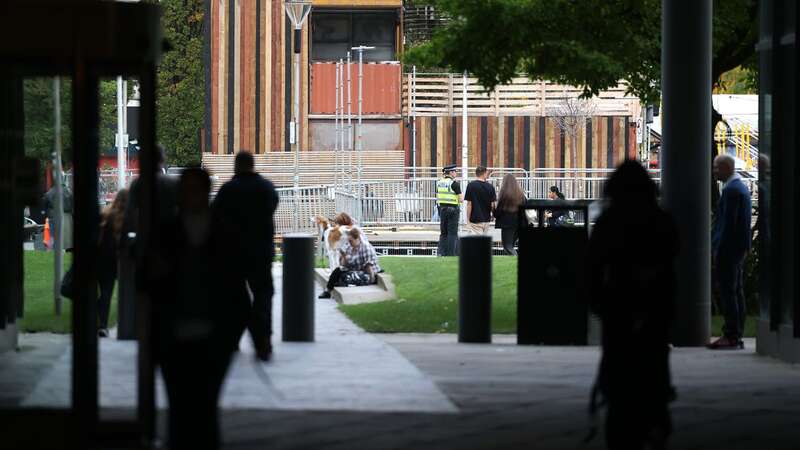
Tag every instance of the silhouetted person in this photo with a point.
(730, 242)
(111, 222)
(49, 203)
(153, 272)
(631, 278)
(506, 214)
(191, 346)
(243, 213)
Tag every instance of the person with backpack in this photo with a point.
(556, 218)
(359, 264)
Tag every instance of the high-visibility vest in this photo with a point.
(445, 194)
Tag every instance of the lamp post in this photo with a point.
(359, 135)
(298, 11)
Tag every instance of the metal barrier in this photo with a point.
(303, 205)
(398, 202)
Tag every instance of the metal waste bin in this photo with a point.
(551, 305)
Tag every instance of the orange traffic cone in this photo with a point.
(47, 233)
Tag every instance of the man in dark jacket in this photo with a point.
(730, 241)
(243, 216)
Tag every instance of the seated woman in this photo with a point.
(358, 264)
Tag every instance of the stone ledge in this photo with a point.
(382, 291)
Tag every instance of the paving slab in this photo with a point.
(345, 369)
(382, 291)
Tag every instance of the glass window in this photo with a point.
(334, 33)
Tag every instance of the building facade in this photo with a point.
(250, 91)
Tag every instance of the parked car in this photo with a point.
(30, 229)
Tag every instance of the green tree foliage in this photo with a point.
(738, 81)
(180, 99)
(40, 119)
(181, 91)
(587, 43)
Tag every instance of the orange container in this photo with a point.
(381, 88)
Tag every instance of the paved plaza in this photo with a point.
(354, 390)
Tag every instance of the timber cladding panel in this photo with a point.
(251, 77)
(525, 142)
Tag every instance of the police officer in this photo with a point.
(448, 197)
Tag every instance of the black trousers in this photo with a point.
(731, 292)
(104, 300)
(509, 237)
(448, 231)
(336, 275)
(193, 374)
(259, 322)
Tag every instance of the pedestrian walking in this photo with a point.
(730, 243)
(480, 198)
(632, 290)
(243, 213)
(506, 214)
(448, 198)
(193, 346)
(56, 223)
(111, 223)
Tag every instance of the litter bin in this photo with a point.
(551, 306)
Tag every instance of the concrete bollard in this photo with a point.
(298, 288)
(475, 289)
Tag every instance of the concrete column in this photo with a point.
(686, 162)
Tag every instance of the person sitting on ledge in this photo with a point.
(359, 264)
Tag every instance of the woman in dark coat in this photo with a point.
(554, 216)
(506, 213)
(111, 223)
(631, 277)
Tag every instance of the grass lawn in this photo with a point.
(427, 290)
(39, 314)
(427, 300)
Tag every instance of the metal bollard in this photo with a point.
(298, 287)
(475, 289)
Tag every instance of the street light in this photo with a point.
(298, 11)
(359, 136)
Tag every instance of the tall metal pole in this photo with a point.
(360, 133)
(58, 178)
(120, 134)
(686, 164)
(349, 125)
(359, 143)
(341, 118)
(337, 128)
(413, 88)
(464, 147)
(297, 10)
(297, 45)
